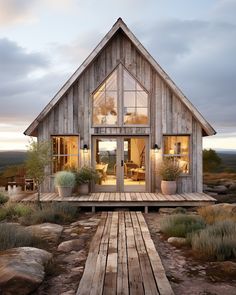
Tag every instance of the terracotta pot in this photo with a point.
(83, 189)
(65, 191)
(168, 187)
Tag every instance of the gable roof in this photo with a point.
(208, 129)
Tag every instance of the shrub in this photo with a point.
(3, 198)
(169, 170)
(12, 211)
(86, 175)
(12, 236)
(56, 213)
(216, 241)
(65, 179)
(179, 210)
(181, 225)
(212, 214)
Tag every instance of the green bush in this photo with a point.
(12, 236)
(181, 225)
(216, 241)
(3, 198)
(56, 213)
(12, 211)
(179, 210)
(65, 179)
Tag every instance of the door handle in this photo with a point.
(122, 163)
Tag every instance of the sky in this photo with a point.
(42, 42)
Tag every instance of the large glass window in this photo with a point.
(135, 101)
(105, 102)
(65, 153)
(177, 148)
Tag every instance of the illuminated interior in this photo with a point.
(134, 161)
(65, 153)
(177, 148)
(105, 102)
(135, 101)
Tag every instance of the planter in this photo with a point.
(168, 187)
(83, 189)
(65, 191)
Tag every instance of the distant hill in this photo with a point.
(228, 159)
(9, 158)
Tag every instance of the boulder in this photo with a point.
(71, 245)
(177, 241)
(47, 231)
(87, 222)
(232, 187)
(22, 269)
(218, 189)
(166, 210)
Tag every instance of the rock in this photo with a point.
(70, 292)
(22, 269)
(87, 222)
(232, 187)
(46, 231)
(166, 210)
(206, 187)
(74, 235)
(71, 245)
(212, 194)
(77, 269)
(218, 189)
(177, 241)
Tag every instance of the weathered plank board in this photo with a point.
(122, 259)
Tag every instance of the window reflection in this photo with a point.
(177, 148)
(135, 102)
(65, 153)
(105, 102)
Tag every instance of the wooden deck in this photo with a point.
(122, 259)
(128, 200)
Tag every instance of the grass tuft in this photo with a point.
(12, 236)
(3, 198)
(216, 241)
(181, 225)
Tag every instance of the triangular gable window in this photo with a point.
(133, 100)
(105, 102)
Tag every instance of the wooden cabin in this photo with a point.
(122, 114)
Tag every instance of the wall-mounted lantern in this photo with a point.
(85, 148)
(156, 148)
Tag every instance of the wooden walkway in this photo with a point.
(122, 259)
(128, 199)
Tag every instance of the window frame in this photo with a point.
(120, 99)
(189, 174)
(63, 155)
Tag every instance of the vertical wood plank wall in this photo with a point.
(72, 114)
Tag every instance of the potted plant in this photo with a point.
(84, 176)
(169, 171)
(65, 181)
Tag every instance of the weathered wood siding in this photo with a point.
(168, 115)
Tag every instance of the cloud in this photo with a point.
(23, 11)
(200, 57)
(23, 94)
(15, 11)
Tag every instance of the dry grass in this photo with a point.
(217, 241)
(215, 178)
(212, 214)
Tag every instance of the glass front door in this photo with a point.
(121, 163)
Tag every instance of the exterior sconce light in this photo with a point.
(85, 148)
(156, 147)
